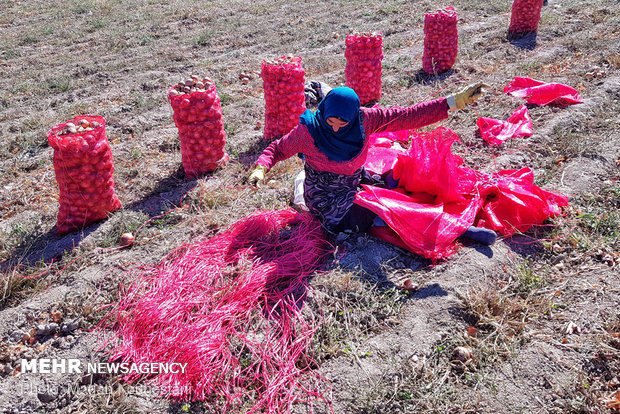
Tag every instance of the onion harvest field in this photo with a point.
(530, 324)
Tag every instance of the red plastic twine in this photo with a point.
(84, 171)
(229, 307)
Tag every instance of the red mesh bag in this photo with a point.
(364, 53)
(496, 131)
(419, 222)
(84, 171)
(429, 166)
(198, 117)
(524, 17)
(541, 93)
(513, 203)
(284, 82)
(441, 41)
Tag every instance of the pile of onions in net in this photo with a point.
(84, 171)
(198, 117)
(229, 307)
(364, 53)
(524, 17)
(284, 82)
(441, 41)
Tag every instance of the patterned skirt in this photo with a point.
(330, 196)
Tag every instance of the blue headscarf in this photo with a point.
(348, 142)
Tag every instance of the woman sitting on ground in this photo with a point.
(334, 143)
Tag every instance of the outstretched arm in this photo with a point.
(284, 148)
(411, 117)
(422, 114)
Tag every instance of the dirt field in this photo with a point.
(540, 312)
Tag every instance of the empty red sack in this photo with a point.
(513, 203)
(284, 82)
(496, 131)
(426, 225)
(441, 41)
(198, 118)
(541, 93)
(84, 171)
(525, 16)
(429, 166)
(364, 54)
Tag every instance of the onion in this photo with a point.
(127, 239)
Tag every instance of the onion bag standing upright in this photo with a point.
(198, 117)
(84, 171)
(524, 17)
(284, 81)
(364, 54)
(441, 41)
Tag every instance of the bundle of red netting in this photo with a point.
(198, 117)
(441, 41)
(524, 17)
(84, 171)
(364, 53)
(438, 198)
(284, 82)
(229, 307)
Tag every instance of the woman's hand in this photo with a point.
(257, 176)
(467, 96)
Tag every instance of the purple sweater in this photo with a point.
(375, 120)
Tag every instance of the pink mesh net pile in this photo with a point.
(364, 54)
(284, 86)
(198, 117)
(229, 307)
(84, 171)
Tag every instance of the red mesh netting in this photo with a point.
(229, 307)
(84, 171)
(437, 199)
(284, 85)
(496, 131)
(430, 167)
(513, 203)
(198, 117)
(541, 93)
(441, 41)
(364, 53)
(525, 16)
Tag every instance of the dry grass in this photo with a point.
(351, 311)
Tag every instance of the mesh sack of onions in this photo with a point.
(364, 53)
(284, 82)
(84, 171)
(524, 17)
(441, 41)
(198, 117)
